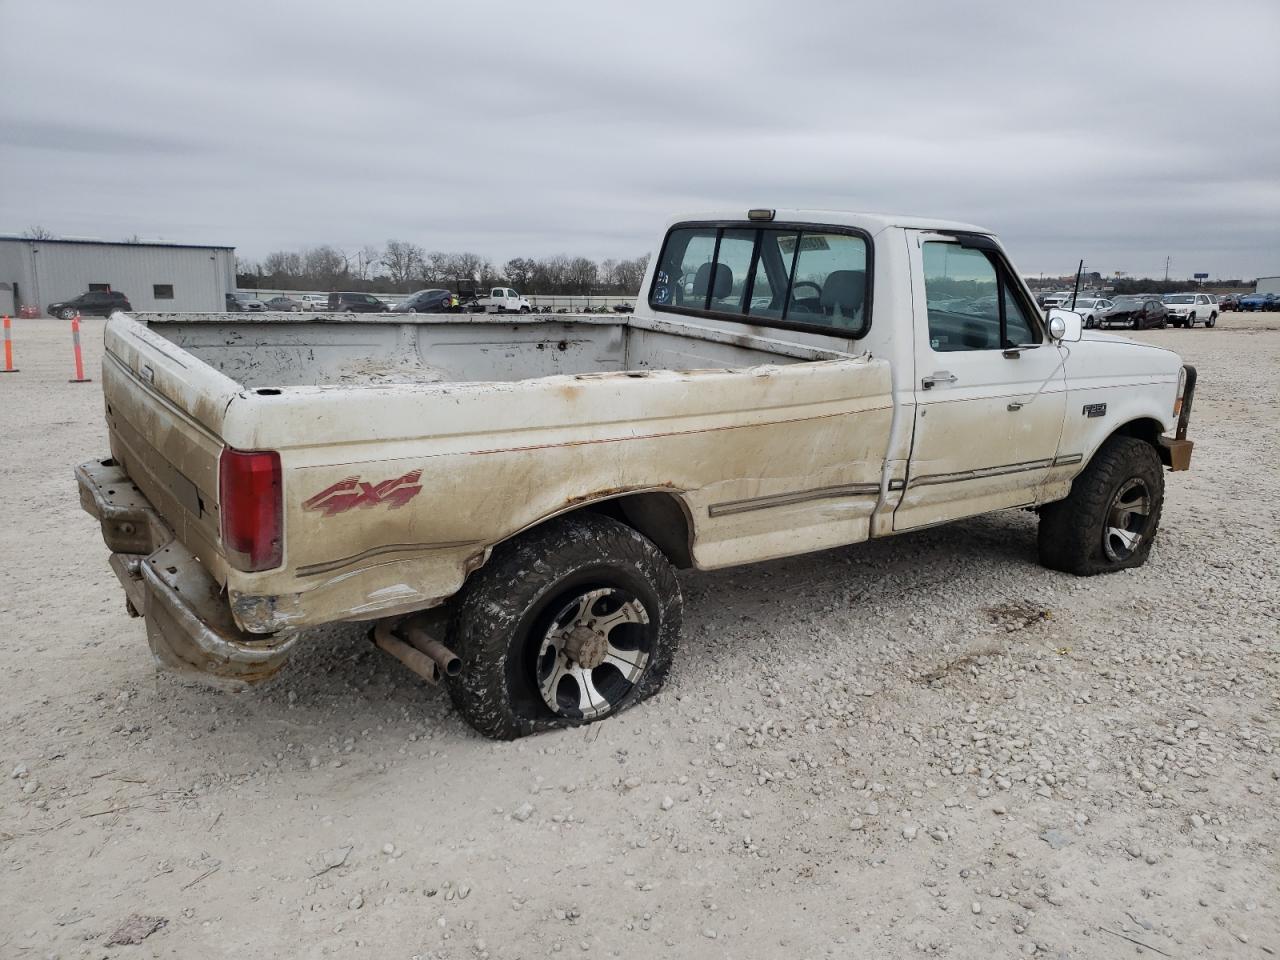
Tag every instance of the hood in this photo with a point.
(1105, 354)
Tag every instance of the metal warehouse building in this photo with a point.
(154, 276)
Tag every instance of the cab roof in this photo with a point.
(873, 223)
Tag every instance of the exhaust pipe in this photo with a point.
(442, 656)
(417, 661)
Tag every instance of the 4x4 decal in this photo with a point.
(354, 492)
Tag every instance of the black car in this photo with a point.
(427, 301)
(101, 303)
(1135, 312)
(623, 308)
(356, 303)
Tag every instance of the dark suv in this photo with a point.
(356, 303)
(100, 303)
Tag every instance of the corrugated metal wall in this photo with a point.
(46, 272)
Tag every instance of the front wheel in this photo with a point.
(1109, 519)
(1133, 324)
(66, 314)
(565, 625)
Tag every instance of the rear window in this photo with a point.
(800, 276)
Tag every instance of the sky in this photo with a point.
(1118, 132)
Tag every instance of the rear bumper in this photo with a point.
(190, 627)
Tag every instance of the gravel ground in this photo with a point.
(924, 745)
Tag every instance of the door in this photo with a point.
(989, 385)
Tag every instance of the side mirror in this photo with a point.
(1065, 326)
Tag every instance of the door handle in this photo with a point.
(941, 376)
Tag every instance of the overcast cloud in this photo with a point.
(1118, 132)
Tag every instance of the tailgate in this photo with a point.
(165, 409)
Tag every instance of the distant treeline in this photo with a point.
(401, 267)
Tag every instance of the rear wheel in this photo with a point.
(1212, 321)
(1088, 323)
(1109, 519)
(565, 625)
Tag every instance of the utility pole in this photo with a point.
(1166, 268)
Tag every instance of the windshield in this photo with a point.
(1180, 298)
(1127, 301)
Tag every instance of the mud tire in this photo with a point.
(1072, 530)
(494, 628)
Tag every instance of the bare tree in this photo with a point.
(403, 261)
(325, 266)
(283, 265)
(519, 272)
(132, 238)
(37, 232)
(368, 259)
(582, 274)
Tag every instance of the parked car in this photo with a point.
(1228, 302)
(313, 301)
(428, 301)
(1186, 309)
(1089, 308)
(244, 303)
(503, 300)
(98, 303)
(285, 304)
(1056, 300)
(356, 303)
(240, 513)
(1136, 312)
(1254, 302)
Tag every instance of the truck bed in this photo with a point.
(284, 351)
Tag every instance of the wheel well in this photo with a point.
(662, 517)
(1147, 430)
(1144, 429)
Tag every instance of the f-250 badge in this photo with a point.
(354, 492)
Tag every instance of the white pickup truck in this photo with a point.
(508, 499)
(503, 300)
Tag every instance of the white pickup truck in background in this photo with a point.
(508, 499)
(503, 300)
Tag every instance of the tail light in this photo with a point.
(252, 505)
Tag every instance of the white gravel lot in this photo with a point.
(926, 745)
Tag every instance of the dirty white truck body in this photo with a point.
(408, 448)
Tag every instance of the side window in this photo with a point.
(971, 305)
(162, 291)
(1018, 328)
(960, 290)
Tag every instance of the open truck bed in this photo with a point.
(408, 448)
